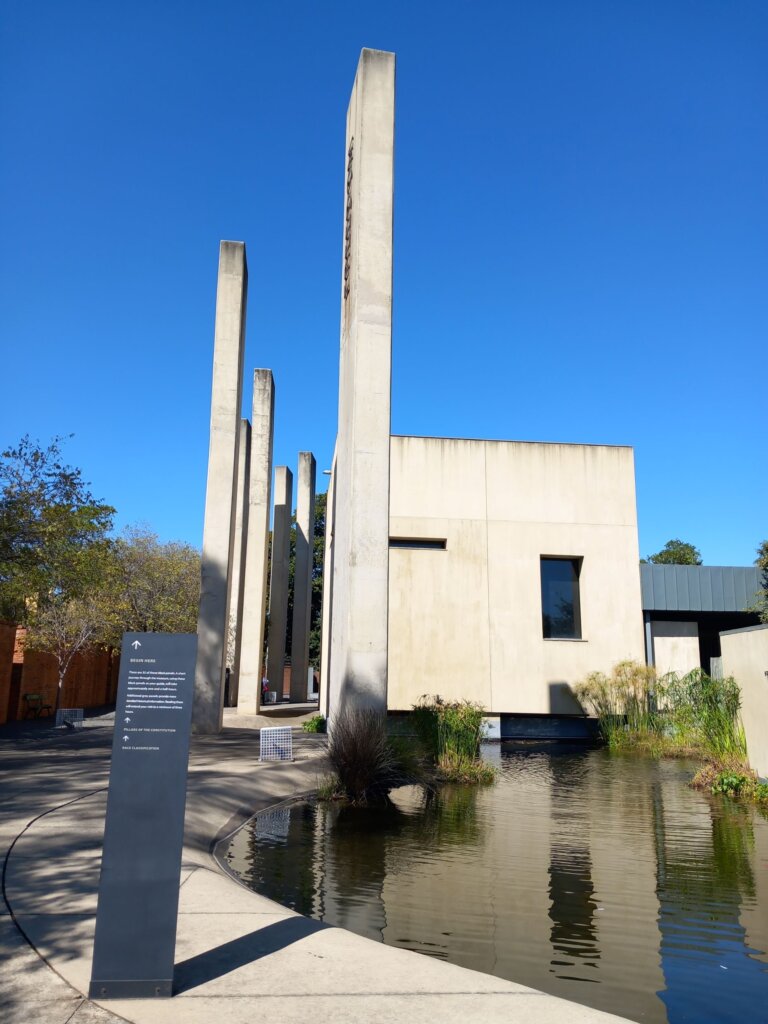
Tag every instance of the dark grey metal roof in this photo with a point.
(699, 588)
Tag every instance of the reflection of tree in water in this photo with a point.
(450, 816)
(704, 878)
(716, 874)
(571, 890)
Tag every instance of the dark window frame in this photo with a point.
(569, 625)
(419, 543)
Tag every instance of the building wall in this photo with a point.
(745, 657)
(7, 645)
(675, 647)
(467, 621)
(91, 680)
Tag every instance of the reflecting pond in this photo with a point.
(596, 877)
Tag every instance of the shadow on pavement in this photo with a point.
(224, 959)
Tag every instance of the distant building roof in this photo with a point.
(699, 588)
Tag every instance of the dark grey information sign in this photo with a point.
(141, 863)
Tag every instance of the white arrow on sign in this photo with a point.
(135, 644)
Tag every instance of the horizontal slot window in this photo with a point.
(432, 543)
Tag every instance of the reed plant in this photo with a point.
(450, 732)
(693, 714)
(624, 703)
(706, 710)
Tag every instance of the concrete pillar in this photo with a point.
(302, 576)
(255, 588)
(278, 579)
(220, 494)
(237, 581)
(358, 654)
(326, 619)
(649, 654)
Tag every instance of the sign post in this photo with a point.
(141, 862)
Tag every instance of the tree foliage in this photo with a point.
(315, 626)
(761, 606)
(54, 551)
(155, 587)
(53, 532)
(66, 626)
(318, 556)
(676, 552)
(65, 579)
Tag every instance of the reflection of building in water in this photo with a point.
(350, 845)
(575, 953)
(603, 887)
(458, 878)
(545, 860)
(624, 879)
(600, 879)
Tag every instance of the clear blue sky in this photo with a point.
(581, 235)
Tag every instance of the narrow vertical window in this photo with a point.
(560, 605)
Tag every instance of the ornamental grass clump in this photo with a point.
(624, 702)
(675, 715)
(705, 712)
(367, 761)
(450, 732)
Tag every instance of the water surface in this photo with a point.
(603, 879)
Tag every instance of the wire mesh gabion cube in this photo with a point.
(275, 743)
(71, 717)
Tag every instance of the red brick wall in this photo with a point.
(7, 643)
(90, 681)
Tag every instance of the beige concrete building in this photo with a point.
(512, 572)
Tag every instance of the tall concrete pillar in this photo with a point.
(302, 576)
(278, 579)
(255, 587)
(326, 619)
(237, 576)
(221, 490)
(359, 616)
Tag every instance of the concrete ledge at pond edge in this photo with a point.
(238, 953)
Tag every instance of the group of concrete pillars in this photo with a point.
(235, 556)
(279, 577)
(236, 534)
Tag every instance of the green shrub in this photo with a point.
(314, 724)
(730, 783)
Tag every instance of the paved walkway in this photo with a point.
(238, 955)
